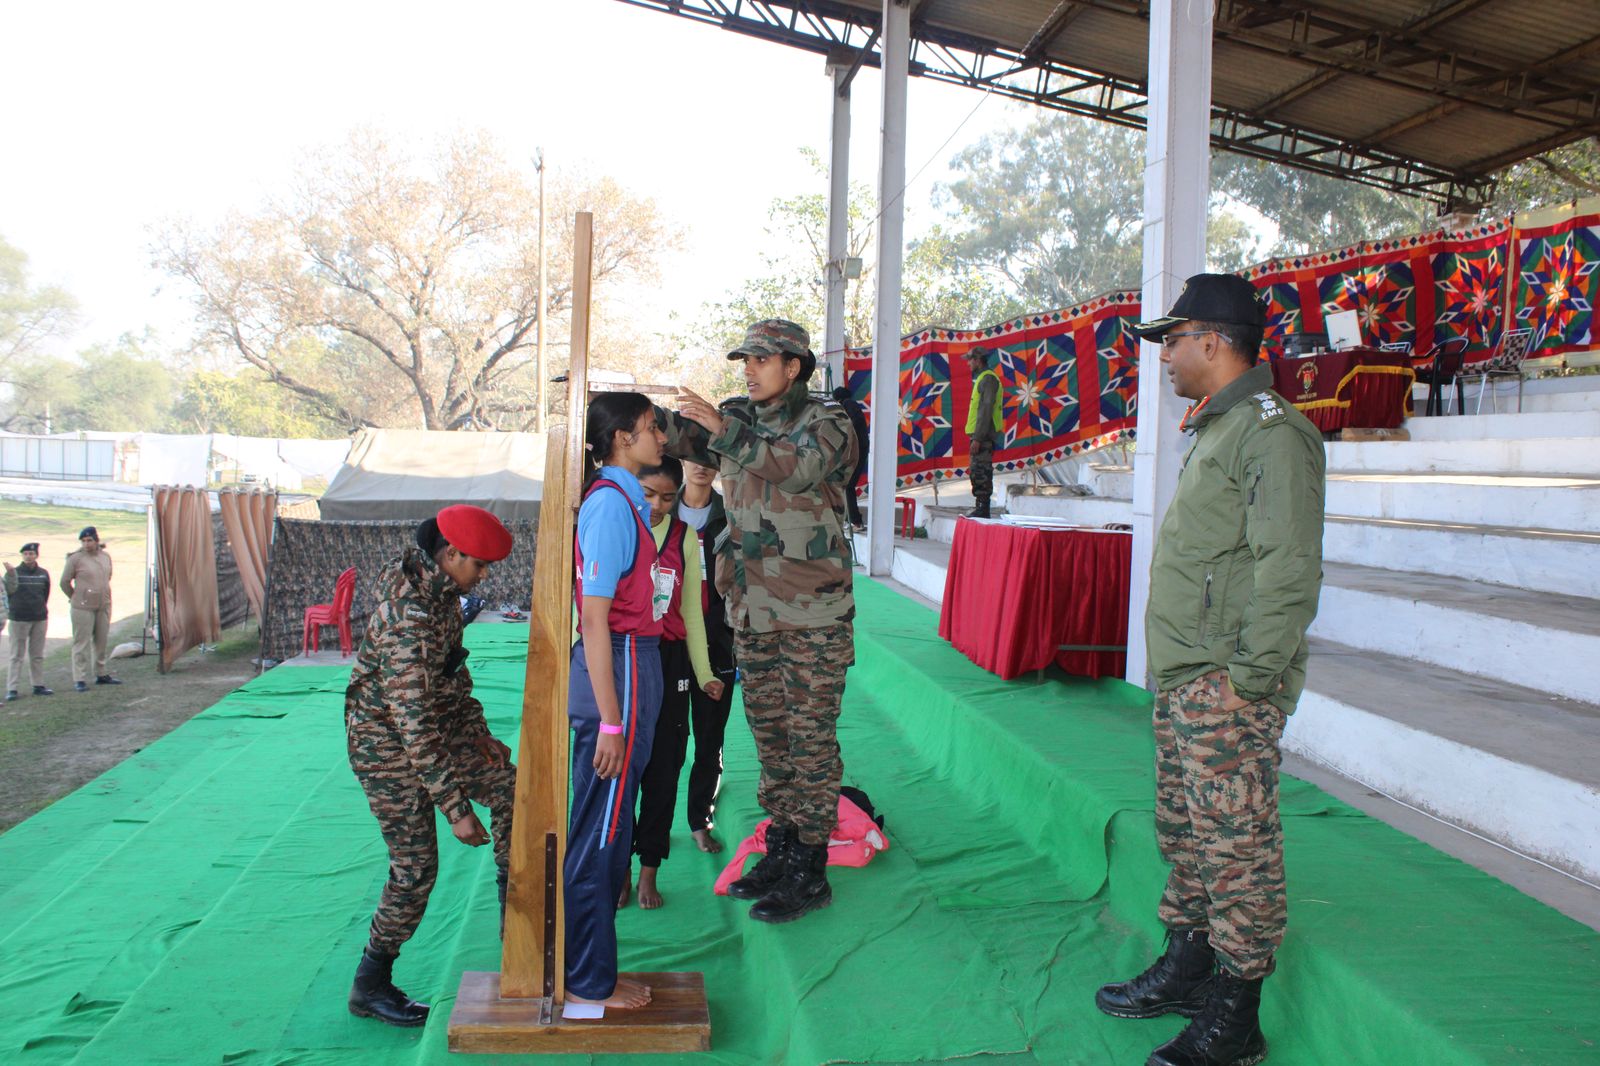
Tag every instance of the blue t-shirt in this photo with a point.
(608, 534)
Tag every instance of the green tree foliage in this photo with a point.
(1314, 212)
(246, 403)
(937, 290)
(399, 288)
(122, 387)
(1052, 211)
(1568, 173)
(31, 316)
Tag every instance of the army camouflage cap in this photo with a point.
(774, 336)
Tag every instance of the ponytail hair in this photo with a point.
(610, 413)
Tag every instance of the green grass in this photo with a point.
(26, 521)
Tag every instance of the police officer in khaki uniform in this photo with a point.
(86, 579)
(1233, 588)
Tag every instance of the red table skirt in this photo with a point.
(1013, 595)
(1361, 388)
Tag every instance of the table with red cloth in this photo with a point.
(1018, 598)
(1356, 388)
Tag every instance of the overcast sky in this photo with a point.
(121, 115)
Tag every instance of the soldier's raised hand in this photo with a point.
(698, 409)
(469, 830)
(10, 569)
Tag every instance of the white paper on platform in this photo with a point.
(582, 1011)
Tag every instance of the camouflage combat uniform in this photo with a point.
(1234, 586)
(785, 571)
(411, 724)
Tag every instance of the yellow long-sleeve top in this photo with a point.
(694, 619)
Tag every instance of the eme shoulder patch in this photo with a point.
(416, 614)
(1270, 407)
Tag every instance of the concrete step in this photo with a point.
(1555, 503)
(1539, 396)
(1543, 640)
(1513, 764)
(1579, 456)
(1525, 426)
(1541, 560)
(1052, 502)
(1114, 482)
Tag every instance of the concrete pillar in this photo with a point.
(895, 45)
(1177, 186)
(838, 218)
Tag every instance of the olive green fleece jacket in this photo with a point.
(1238, 560)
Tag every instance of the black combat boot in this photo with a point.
(982, 508)
(766, 873)
(1178, 983)
(1227, 1032)
(802, 889)
(43, 690)
(374, 995)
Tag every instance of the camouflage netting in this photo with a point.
(232, 605)
(308, 557)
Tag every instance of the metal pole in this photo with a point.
(1177, 185)
(538, 362)
(896, 51)
(838, 220)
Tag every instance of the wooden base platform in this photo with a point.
(677, 1019)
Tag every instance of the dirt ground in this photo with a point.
(51, 745)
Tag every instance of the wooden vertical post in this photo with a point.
(518, 1009)
(530, 962)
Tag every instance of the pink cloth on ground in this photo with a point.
(854, 841)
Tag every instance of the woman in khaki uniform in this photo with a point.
(86, 579)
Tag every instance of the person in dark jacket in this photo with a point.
(1233, 588)
(27, 590)
(701, 507)
(858, 422)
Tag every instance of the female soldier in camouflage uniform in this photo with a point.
(786, 458)
(417, 738)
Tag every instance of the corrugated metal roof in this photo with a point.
(1459, 88)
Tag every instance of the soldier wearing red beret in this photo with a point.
(418, 740)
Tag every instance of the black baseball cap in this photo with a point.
(31, 546)
(1209, 298)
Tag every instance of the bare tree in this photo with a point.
(390, 289)
(30, 315)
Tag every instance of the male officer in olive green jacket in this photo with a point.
(1233, 588)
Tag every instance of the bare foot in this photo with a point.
(706, 842)
(627, 890)
(649, 896)
(627, 994)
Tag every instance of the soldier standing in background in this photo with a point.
(786, 459)
(27, 590)
(983, 427)
(86, 579)
(1233, 588)
(417, 738)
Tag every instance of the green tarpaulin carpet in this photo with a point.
(206, 900)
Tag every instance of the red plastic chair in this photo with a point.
(336, 613)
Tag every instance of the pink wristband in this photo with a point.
(610, 730)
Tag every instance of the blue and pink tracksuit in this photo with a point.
(617, 562)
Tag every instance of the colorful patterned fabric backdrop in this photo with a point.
(1067, 384)
(1557, 282)
(1418, 290)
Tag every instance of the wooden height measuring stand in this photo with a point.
(519, 1009)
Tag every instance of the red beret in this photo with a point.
(475, 531)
